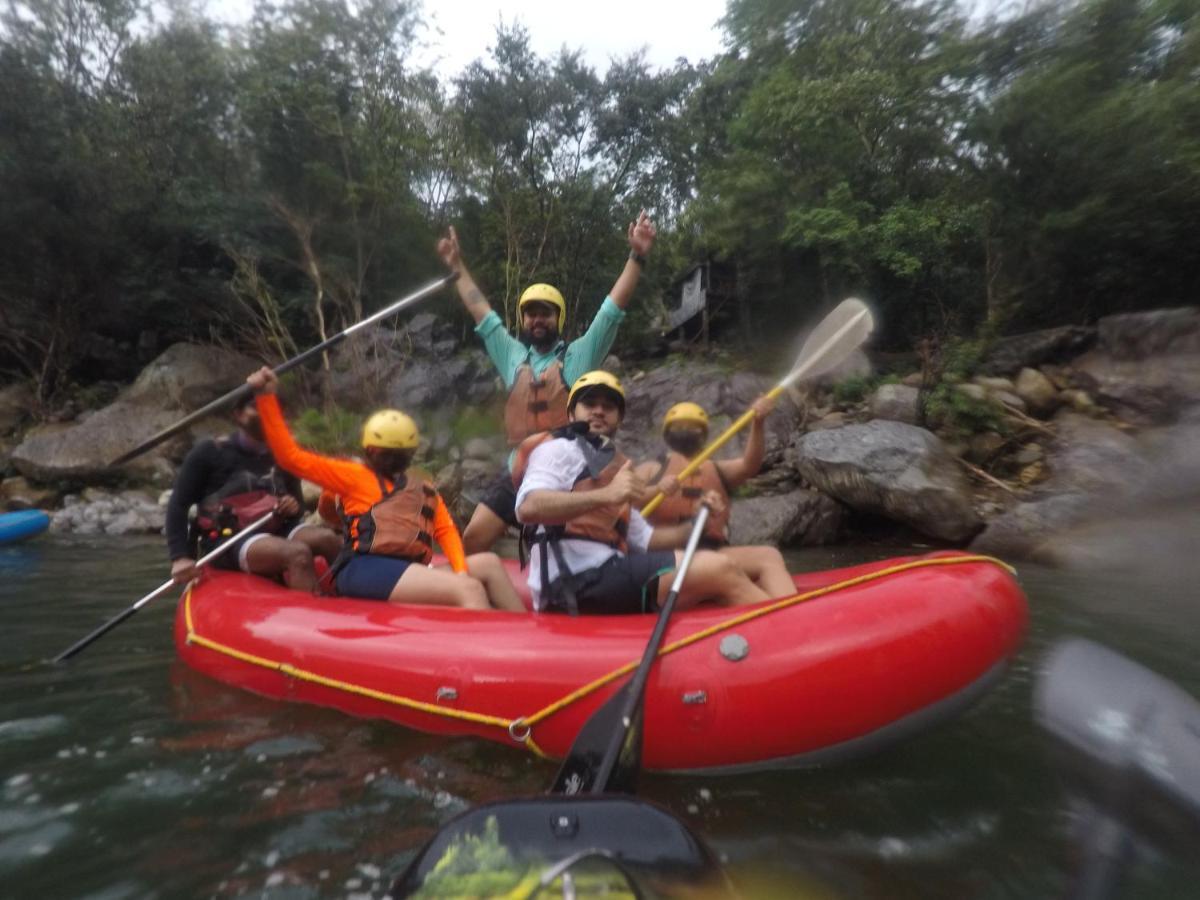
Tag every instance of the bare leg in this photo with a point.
(438, 587)
(711, 577)
(271, 556)
(320, 540)
(488, 569)
(484, 529)
(766, 568)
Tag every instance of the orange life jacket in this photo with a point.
(682, 506)
(605, 524)
(400, 524)
(536, 403)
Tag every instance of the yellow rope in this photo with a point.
(526, 723)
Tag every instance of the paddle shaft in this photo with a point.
(803, 368)
(636, 688)
(244, 390)
(158, 591)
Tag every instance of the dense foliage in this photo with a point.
(268, 184)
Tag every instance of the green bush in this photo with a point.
(336, 432)
(961, 415)
(853, 389)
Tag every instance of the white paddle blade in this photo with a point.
(841, 332)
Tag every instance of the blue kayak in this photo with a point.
(17, 526)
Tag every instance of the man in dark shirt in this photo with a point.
(229, 480)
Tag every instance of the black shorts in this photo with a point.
(501, 497)
(624, 584)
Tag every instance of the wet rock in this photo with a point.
(892, 469)
(1038, 392)
(1016, 533)
(896, 402)
(17, 493)
(799, 518)
(1010, 354)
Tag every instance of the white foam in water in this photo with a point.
(271, 859)
(16, 781)
(369, 870)
(274, 879)
(29, 729)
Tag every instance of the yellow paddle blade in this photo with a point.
(842, 331)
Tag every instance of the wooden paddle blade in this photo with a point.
(579, 771)
(845, 329)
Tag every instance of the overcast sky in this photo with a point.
(461, 31)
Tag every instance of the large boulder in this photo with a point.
(1093, 456)
(1019, 531)
(724, 396)
(1009, 355)
(425, 384)
(1107, 495)
(891, 469)
(1146, 366)
(1137, 336)
(183, 378)
(374, 365)
(799, 518)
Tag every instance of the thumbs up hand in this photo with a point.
(626, 485)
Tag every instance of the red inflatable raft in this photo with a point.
(857, 658)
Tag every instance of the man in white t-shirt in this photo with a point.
(575, 492)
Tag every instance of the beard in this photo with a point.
(686, 443)
(541, 338)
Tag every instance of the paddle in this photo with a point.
(158, 592)
(244, 390)
(608, 749)
(843, 330)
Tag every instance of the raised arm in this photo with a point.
(737, 471)
(469, 292)
(641, 241)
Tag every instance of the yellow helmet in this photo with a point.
(685, 412)
(391, 430)
(597, 378)
(545, 293)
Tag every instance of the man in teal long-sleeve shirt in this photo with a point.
(539, 367)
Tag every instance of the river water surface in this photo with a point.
(124, 774)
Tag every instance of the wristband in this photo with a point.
(637, 258)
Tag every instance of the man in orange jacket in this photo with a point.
(392, 515)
